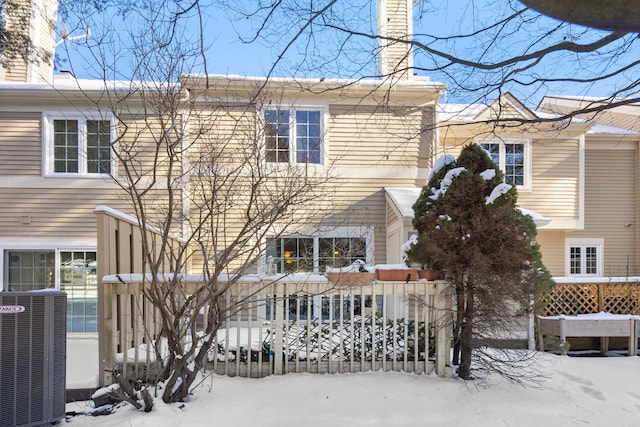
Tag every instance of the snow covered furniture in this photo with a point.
(602, 325)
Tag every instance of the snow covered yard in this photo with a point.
(594, 391)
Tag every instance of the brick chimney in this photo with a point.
(395, 21)
(31, 29)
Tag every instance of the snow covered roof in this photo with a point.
(403, 199)
(588, 99)
(538, 219)
(63, 82)
(611, 130)
(459, 112)
(506, 105)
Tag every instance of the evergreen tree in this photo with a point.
(468, 225)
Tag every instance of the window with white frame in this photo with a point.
(71, 271)
(313, 254)
(78, 145)
(513, 156)
(293, 136)
(585, 257)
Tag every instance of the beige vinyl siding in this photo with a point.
(224, 132)
(33, 21)
(16, 71)
(454, 146)
(624, 117)
(555, 179)
(144, 141)
(65, 213)
(378, 137)
(396, 54)
(392, 216)
(20, 144)
(341, 203)
(54, 212)
(555, 168)
(611, 208)
(552, 248)
(362, 202)
(46, 28)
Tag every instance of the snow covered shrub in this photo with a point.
(468, 225)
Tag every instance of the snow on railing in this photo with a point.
(297, 326)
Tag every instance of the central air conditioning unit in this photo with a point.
(33, 351)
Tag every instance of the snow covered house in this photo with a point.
(378, 137)
(577, 176)
(59, 137)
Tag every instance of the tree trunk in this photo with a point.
(182, 373)
(466, 335)
(457, 324)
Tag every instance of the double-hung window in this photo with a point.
(585, 257)
(293, 136)
(71, 271)
(313, 254)
(513, 156)
(78, 145)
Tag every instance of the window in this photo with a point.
(585, 257)
(293, 136)
(313, 254)
(30, 270)
(76, 145)
(73, 272)
(78, 278)
(513, 157)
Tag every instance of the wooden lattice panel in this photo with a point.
(583, 298)
(620, 298)
(572, 299)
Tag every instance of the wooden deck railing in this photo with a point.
(297, 326)
(120, 250)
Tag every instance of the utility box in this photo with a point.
(33, 352)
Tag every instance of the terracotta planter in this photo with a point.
(351, 279)
(397, 275)
(431, 274)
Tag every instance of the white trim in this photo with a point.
(382, 172)
(527, 161)
(82, 117)
(564, 224)
(44, 182)
(382, 31)
(581, 180)
(596, 242)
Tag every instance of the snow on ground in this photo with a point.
(594, 391)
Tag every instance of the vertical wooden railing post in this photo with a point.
(442, 329)
(601, 297)
(278, 320)
(106, 346)
(633, 342)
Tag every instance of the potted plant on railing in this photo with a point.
(396, 272)
(428, 268)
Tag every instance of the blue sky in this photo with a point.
(315, 56)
